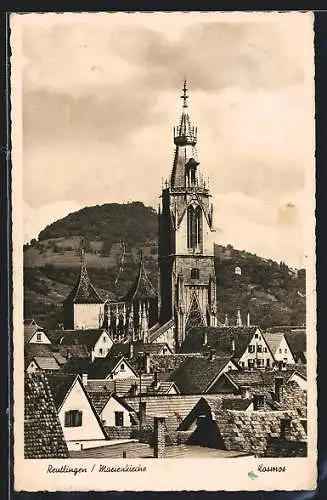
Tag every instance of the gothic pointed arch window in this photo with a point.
(194, 226)
(195, 317)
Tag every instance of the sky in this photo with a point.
(101, 98)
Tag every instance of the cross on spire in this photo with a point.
(184, 96)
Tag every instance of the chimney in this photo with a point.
(159, 437)
(131, 350)
(84, 379)
(212, 354)
(258, 402)
(147, 364)
(142, 413)
(279, 381)
(245, 391)
(285, 428)
(156, 380)
(205, 337)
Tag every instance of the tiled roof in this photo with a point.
(124, 387)
(273, 340)
(221, 339)
(251, 431)
(88, 337)
(102, 367)
(297, 342)
(157, 329)
(46, 363)
(83, 291)
(142, 287)
(257, 378)
(60, 384)
(174, 407)
(240, 404)
(137, 347)
(99, 399)
(195, 374)
(167, 363)
(77, 366)
(43, 435)
(42, 350)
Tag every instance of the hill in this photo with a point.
(114, 235)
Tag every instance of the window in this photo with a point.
(104, 338)
(122, 367)
(73, 418)
(268, 362)
(100, 350)
(39, 336)
(258, 401)
(285, 351)
(251, 348)
(256, 336)
(194, 227)
(195, 274)
(259, 348)
(119, 418)
(260, 362)
(285, 426)
(265, 349)
(279, 350)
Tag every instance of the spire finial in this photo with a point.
(184, 96)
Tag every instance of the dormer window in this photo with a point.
(195, 273)
(122, 367)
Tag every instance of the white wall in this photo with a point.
(43, 338)
(32, 367)
(90, 428)
(257, 355)
(119, 373)
(87, 315)
(283, 353)
(103, 346)
(108, 413)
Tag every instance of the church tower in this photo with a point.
(187, 282)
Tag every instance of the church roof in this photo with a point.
(83, 291)
(142, 287)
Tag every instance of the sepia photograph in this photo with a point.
(163, 192)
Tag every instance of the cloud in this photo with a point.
(35, 219)
(101, 98)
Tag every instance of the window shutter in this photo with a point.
(79, 418)
(67, 419)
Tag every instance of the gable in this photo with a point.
(228, 367)
(76, 399)
(39, 337)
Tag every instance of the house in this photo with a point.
(80, 422)
(297, 340)
(280, 348)
(116, 415)
(43, 434)
(208, 424)
(246, 345)
(34, 334)
(42, 363)
(198, 375)
(234, 382)
(96, 340)
(112, 368)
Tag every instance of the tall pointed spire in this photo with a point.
(83, 291)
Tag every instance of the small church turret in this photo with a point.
(83, 308)
(187, 282)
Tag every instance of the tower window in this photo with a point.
(195, 273)
(194, 227)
